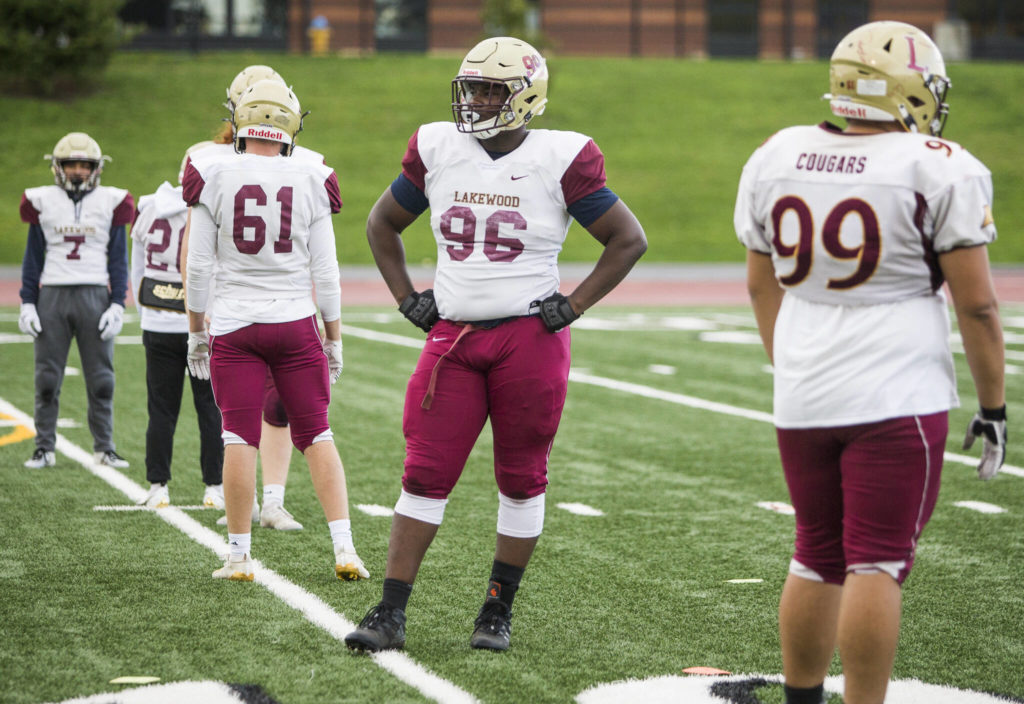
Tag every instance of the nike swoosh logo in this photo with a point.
(440, 339)
(516, 178)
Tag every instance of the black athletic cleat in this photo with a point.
(493, 626)
(383, 628)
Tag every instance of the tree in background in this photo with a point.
(56, 47)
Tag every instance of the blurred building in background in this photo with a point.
(770, 29)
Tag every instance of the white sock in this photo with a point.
(273, 493)
(341, 534)
(239, 544)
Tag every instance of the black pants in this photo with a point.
(166, 369)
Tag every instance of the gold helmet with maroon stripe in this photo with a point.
(502, 84)
(76, 146)
(890, 71)
(268, 109)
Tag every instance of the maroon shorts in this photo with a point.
(515, 373)
(273, 409)
(293, 354)
(863, 493)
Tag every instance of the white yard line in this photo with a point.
(315, 610)
(648, 392)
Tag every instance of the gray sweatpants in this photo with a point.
(66, 312)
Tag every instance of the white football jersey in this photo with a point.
(854, 225)
(499, 224)
(77, 234)
(272, 217)
(156, 252)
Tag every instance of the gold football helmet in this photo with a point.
(76, 146)
(890, 71)
(502, 84)
(245, 78)
(268, 109)
(188, 152)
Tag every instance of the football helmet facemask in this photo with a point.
(76, 146)
(188, 152)
(245, 78)
(890, 71)
(268, 110)
(502, 84)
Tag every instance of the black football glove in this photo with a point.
(556, 312)
(420, 309)
(990, 425)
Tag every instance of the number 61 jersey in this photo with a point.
(273, 230)
(854, 224)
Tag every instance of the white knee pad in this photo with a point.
(801, 570)
(892, 569)
(230, 438)
(326, 435)
(421, 508)
(520, 518)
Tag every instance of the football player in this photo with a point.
(74, 278)
(263, 219)
(501, 199)
(156, 281)
(275, 441)
(850, 234)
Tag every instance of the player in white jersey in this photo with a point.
(74, 278)
(264, 220)
(275, 441)
(501, 199)
(850, 235)
(156, 281)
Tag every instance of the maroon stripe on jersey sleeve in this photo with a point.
(191, 185)
(412, 164)
(584, 175)
(333, 192)
(124, 213)
(28, 211)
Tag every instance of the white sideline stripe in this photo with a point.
(580, 509)
(309, 605)
(375, 510)
(980, 506)
(581, 377)
(777, 507)
(151, 508)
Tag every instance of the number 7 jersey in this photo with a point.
(854, 225)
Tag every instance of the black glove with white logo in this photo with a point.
(990, 425)
(556, 312)
(420, 309)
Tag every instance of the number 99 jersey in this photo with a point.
(854, 224)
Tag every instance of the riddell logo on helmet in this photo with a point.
(265, 134)
(851, 111)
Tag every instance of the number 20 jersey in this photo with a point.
(499, 223)
(854, 225)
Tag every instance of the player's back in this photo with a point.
(264, 208)
(858, 219)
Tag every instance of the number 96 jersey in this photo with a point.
(854, 224)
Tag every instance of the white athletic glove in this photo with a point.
(28, 320)
(111, 321)
(199, 355)
(990, 424)
(332, 348)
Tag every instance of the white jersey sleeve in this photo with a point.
(263, 210)
(499, 223)
(854, 225)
